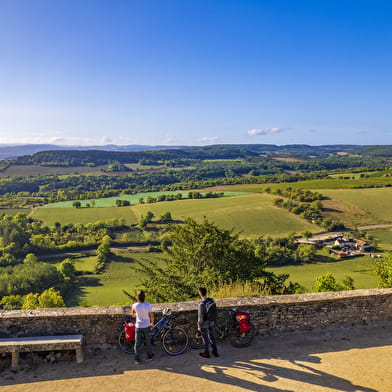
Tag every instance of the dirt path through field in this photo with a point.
(357, 359)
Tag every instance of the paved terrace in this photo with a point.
(342, 359)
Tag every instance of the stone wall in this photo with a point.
(269, 315)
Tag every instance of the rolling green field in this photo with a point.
(106, 288)
(251, 214)
(359, 268)
(133, 199)
(83, 215)
(376, 201)
(384, 238)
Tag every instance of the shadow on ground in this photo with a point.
(270, 364)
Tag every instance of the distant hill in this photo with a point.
(14, 151)
(289, 150)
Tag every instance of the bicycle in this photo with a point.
(174, 339)
(230, 329)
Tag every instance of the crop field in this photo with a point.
(375, 202)
(359, 268)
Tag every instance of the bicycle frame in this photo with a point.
(158, 327)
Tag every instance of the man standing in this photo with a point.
(205, 323)
(144, 324)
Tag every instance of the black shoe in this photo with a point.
(150, 358)
(215, 354)
(205, 355)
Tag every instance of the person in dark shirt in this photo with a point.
(206, 323)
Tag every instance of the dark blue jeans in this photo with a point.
(143, 335)
(208, 337)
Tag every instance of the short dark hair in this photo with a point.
(140, 296)
(203, 291)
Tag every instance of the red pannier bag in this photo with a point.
(243, 319)
(130, 329)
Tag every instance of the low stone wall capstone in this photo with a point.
(269, 315)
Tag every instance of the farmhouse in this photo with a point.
(339, 244)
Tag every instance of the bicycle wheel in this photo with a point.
(175, 341)
(238, 339)
(195, 340)
(125, 345)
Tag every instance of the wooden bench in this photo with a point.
(41, 343)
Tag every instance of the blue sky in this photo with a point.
(195, 72)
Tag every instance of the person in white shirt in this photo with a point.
(144, 323)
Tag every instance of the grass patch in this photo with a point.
(359, 268)
(252, 215)
(14, 211)
(384, 239)
(83, 215)
(133, 199)
(375, 202)
(106, 289)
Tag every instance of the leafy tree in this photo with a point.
(326, 282)
(306, 252)
(67, 268)
(166, 217)
(30, 258)
(31, 301)
(202, 253)
(384, 271)
(10, 302)
(348, 283)
(50, 298)
(76, 204)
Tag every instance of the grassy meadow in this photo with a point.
(375, 202)
(359, 268)
(106, 288)
(133, 199)
(251, 214)
(83, 215)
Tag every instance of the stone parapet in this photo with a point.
(269, 315)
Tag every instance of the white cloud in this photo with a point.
(264, 131)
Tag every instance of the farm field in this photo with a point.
(384, 238)
(83, 215)
(359, 268)
(375, 202)
(252, 214)
(133, 199)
